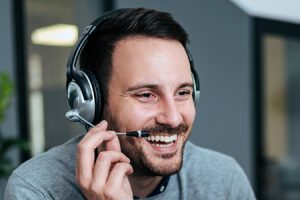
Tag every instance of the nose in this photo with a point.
(169, 113)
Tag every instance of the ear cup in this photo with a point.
(97, 96)
(81, 95)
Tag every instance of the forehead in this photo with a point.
(147, 59)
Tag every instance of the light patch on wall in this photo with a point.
(283, 10)
(55, 35)
(36, 105)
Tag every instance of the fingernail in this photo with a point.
(102, 123)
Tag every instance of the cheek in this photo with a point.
(192, 114)
(131, 117)
(188, 112)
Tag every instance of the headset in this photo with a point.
(83, 91)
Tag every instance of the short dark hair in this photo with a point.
(97, 53)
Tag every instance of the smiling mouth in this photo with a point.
(162, 140)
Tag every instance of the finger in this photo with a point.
(86, 156)
(119, 172)
(103, 166)
(102, 126)
(102, 123)
(113, 144)
(96, 136)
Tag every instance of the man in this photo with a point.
(139, 59)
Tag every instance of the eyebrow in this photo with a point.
(155, 86)
(187, 84)
(143, 85)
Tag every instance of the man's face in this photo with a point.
(151, 89)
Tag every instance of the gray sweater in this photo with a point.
(205, 175)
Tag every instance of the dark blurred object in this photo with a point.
(6, 164)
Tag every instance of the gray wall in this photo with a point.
(219, 34)
(293, 97)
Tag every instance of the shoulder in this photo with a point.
(208, 164)
(62, 157)
(202, 157)
(45, 173)
(210, 172)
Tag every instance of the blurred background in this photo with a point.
(246, 54)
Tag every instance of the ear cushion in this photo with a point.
(97, 94)
(196, 85)
(196, 82)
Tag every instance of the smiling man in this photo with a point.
(156, 98)
(139, 70)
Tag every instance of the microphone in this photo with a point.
(73, 116)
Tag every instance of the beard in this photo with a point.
(143, 165)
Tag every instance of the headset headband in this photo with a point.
(74, 56)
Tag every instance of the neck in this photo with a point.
(142, 186)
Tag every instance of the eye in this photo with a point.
(183, 94)
(146, 97)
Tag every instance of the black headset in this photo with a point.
(83, 91)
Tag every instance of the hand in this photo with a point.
(107, 178)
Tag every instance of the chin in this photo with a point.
(165, 168)
(149, 160)
(162, 165)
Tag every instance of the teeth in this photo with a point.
(158, 138)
